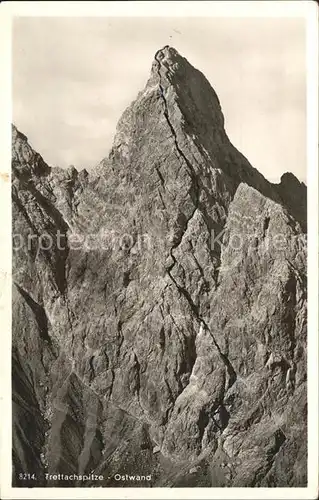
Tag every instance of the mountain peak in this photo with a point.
(174, 69)
(169, 55)
(289, 179)
(17, 135)
(177, 101)
(25, 161)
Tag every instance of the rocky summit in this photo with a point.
(159, 306)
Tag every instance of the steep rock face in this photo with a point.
(163, 329)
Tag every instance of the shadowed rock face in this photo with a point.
(159, 304)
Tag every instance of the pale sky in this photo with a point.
(73, 78)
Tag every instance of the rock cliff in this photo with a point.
(159, 305)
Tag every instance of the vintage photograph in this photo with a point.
(159, 252)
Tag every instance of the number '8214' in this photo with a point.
(26, 475)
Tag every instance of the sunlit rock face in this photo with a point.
(159, 305)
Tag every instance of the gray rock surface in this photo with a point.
(159, 305)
